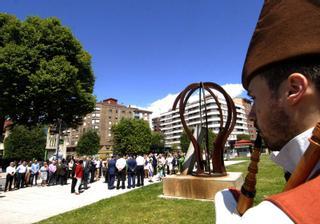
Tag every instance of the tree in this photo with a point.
(89, 143)
(185, 142)
(243, 137)
(157, 141)
(24, 143)
(131, 136)
(174, 147)
(45, 75)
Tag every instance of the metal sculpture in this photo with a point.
(225, 127)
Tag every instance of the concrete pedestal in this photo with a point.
(191, 187)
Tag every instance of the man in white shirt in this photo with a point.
(121, 172)
(10, 171)
(140, 170)
(282, 75)
(21, 171)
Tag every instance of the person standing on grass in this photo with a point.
(78, 174)
(282, 75)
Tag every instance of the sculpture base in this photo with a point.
(192, 187)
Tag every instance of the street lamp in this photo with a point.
(59, 121)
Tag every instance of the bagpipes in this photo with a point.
(300, 175)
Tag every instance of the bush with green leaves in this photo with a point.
(89, 143)
(157, 142)
(45, 74)
(185, 141)
(131, 136)
(25, 143)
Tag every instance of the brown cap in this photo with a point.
(286, 29)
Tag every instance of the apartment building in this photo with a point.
(156, 124)
(246, 103)
(171, 127)
(106, 113)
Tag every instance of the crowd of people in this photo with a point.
(116, 170)
(21, 174)
(133, 169)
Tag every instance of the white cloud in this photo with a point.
(165, 104)
(233, 90)
(162, 105)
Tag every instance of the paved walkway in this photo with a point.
(232, 162)
(32, 204)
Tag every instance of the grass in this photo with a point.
(270, 179)
(144, 205)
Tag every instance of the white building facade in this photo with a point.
(171, 127)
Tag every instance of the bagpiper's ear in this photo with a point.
(296, 88)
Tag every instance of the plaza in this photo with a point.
(32, 204)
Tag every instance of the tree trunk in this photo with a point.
(2, 120)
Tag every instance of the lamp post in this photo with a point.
(58, 137)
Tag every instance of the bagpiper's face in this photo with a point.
(268, 114)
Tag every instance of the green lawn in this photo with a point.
(144, 205)
(270, 178)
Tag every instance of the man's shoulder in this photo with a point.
(301, 203)
(265, 212)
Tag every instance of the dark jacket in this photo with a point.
(86, 167)
(154, 161)
(131, 165)
(112, 166)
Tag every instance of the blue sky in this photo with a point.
(144, 50)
